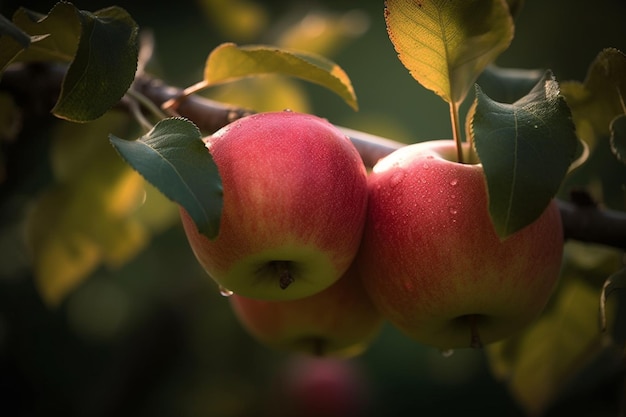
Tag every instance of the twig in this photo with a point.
(586, 223)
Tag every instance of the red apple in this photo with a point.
(338, 321)
(432, 261)
(295, 196)
(320, 387)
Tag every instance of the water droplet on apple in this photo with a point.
(454, 182)
(225, 292)
(425, 165)
(446, 353)
(396, 178)
(453, 210)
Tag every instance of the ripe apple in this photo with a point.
(294, 206)
(432, 262)
(338, 321)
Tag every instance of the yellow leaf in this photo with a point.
(446, 44)
(597, 101)
(85, 221)
(539, 363)
(229, 62)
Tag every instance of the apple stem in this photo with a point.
(475, 341)
(456, 131)
(285, 279)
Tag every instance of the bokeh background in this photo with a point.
(154, 337)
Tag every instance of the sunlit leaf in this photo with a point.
(270, 93)
(173, 158)
(324, 32)
(446, 44)
(618, 137)
(229, 62)
(537, 364)
(526, 149)
(240, 20)
(84, 222)
(597, 101)
(101, 49)
(515, 6)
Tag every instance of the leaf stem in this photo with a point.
(456, 131)
(146, 103)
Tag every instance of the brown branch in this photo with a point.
(582, 222)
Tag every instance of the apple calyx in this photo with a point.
(285, 277)
(475, 341)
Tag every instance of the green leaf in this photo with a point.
(12, 41)
(446, 44)
(174, 159)
(229, 62)
(597, 101)
(526, 149)
(101, 47)
(103, 68)
(618, 137)
(7, 28)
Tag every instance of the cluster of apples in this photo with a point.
(317, 252)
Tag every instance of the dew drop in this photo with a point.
(225, 292)
(425, 165)
(454, 182)
(453, 210)
(396, 178)
(446, 353)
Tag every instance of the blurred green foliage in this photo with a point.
(152, 336)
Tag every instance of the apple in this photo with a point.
(339, 321)
(294, 206)
(432, 261)
(307, 386)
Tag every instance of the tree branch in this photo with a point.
(581, 222)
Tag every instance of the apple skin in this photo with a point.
(294, 206)
(432, 262)
(339, 321)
